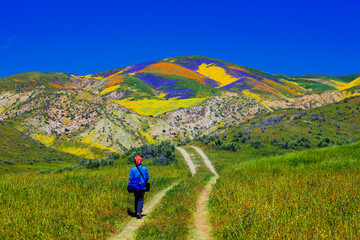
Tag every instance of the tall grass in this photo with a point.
(82, 204)
(306, 195)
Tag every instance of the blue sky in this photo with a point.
(290, 37)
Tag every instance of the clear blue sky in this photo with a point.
(291, 37)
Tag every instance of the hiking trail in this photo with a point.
(129, 230)
(201, 217)
(206, 160)
(188, 160)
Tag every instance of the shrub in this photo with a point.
(217, 144)
(257, 144)
(9, 163)
(314, 116)
(43, 171)
(325, 142)
(89, 163)
(69, 168)
(229, 147)
(114, 156)
(162, 154)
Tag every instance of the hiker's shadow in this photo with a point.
(133, 214)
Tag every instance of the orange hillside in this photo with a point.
(164, 68)
(114, 79)
(56, 85)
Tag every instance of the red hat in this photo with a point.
(138, 160)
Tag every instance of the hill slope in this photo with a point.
(170, 99)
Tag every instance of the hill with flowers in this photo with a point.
(173, 99)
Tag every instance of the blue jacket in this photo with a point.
(136, 178)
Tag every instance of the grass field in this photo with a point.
(82, 204)
(312, 194)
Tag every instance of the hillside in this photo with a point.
(318, 83)
(32, 80)
(173, 99)
(278, 132)
(20, 152)
(191, 77)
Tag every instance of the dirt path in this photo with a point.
(202, 224)
(188, 160)
(130, 229)
(206, 160)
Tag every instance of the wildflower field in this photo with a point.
(156, 107)
(313, 194)
(81, 204)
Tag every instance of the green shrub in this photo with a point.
(44, 171)
(162, 154)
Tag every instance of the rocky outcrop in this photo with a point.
(212, 113)
(309, 101)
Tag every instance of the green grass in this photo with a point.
(315, 86)
(307, 195)
(201, 90)
(172, 218)
(82, 204)
(27, 154)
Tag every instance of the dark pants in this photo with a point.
(139, 201)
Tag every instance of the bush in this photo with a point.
(229, 147)
(162, 154)
(89, 163)
(69, 168)
(9, 163)
(237, 135)
(43, 171)
(114, 156)
(257, 144)
(217, 144)
(325, 142)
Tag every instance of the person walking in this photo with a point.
(139, 176)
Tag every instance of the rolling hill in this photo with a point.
(171, 99)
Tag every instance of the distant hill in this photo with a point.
(191, 77)
(316, 83)
(31, 80)
(176, 98)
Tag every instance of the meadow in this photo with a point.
(312, 194)
(78, 204)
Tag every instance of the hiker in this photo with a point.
(139, 176)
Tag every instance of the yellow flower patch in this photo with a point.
(255, 96)
(148, 137)
(217, 73)
(110, 89)
(47, 140)
(156, 107)
(354, 83)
